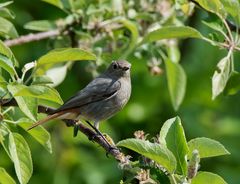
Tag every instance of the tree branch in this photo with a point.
(31, 37)
(90, 133)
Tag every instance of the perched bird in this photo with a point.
(102, 98)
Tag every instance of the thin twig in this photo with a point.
(31, 37)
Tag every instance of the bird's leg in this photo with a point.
(101, 135)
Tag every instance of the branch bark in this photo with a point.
(90, 133)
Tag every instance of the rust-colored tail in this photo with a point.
(42, 121)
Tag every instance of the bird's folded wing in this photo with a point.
(99, 89)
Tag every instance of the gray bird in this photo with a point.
(102, 98)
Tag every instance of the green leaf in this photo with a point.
(154, 151)
(6, 13)
(5, 4)
(221, 76)
(207, 147)
(177, 82)
(38, 133)
(53, 74)
(7, 28)
(39, 91)
(65, 54)
(171, 32)
(233, 84)
(19, 152)
(214, 25)
(40, 25)
(214, 6)
(232, 7)
(7, 65)
(62, 4)
(6, 51)
(5, 178)
(207, 177)
(28, 105)
(43, 79)
(172, 135)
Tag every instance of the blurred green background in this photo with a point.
(78, 160)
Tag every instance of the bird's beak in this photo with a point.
(126, 68)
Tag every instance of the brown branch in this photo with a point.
(31, 37)
(90, 133)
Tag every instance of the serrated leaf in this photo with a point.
(39, 91)
(172, 135)
(28, 105)
(40, 25)
(221, 76)
(154, 151)
(214, 6)
(5, 178)
(207, 177)
(207, 147)
(233, 84)
(171, 32)
(7, 28)
(177, 82)
(7, 64)
(65, 54)
(38, 133)
(19, 152)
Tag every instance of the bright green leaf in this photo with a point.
(207, 177)
(21, 156)
(221, 76)
(214, 6)
(65, 54)
(172, 135)
(39, 91)
(233, 84)
(28, 105)
(154, 151)
(6, 13)
(7, 28)
(43, 79)
(40, 25)
(7, 64)
(214, 25)
(207, 147)
(171, 32)
(38, 133)
(6, 51)
(5, 4)
(5, 178)
(177, 82)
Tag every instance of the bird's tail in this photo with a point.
(44, 120)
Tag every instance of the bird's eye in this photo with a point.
(115, 66)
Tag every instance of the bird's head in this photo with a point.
(120, 68)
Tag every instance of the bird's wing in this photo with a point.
(99, 89)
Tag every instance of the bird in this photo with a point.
(101, 99)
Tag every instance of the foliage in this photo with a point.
(106, 30)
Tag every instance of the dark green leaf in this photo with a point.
(57, 3)
(233, 84)
(171, 32)
(177, 82)
(5, 178)
(221, 76)
(172, 135)
(154, 151)
(40, 25)
(7, 28)
(65, 54)
(207, 177)
(39, 91)
(38, 133)
(28, 105)
(207, 147)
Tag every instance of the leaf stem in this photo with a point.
(173, 179)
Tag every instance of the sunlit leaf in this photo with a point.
(28, 105)
(171, 32)
(207, 147)
(53, 74)
(154, 151)
(221, 76)
(5, 178)
(177, 82)
(207, 177)
(38, 133)
(40, 25)
(172, 135)
(7, 28)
